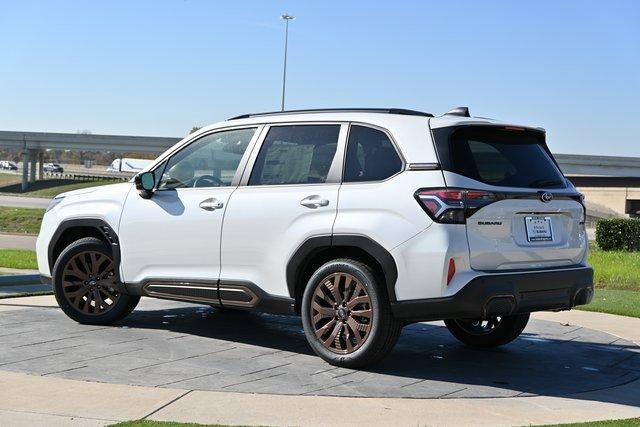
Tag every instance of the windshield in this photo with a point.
(499, 156)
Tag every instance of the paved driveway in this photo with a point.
(17, 241)
(172, 344)
(24, 202)
(189, 360)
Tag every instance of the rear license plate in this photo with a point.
(538, 228)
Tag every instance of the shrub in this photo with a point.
(618, 234)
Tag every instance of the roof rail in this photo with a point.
(341, 110)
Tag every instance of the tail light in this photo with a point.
(453, 206)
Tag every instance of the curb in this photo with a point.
(22, 279)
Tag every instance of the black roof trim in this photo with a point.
(402, 111)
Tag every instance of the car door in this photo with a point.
(288, 194)
(175, 233)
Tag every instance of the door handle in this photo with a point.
(313, 202)
(211, 204)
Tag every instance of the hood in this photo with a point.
(90, 190)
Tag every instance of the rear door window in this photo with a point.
(498, 156)
(296, 154)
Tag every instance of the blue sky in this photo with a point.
(161, 67)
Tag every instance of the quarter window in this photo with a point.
(370, 156)
(210, 161)
(298, 154)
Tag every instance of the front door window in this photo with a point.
(210, 161)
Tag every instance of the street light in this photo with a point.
(286, 18)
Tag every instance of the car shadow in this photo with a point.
(549, 358)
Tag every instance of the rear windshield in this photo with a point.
(498, 156)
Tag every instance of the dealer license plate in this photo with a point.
(538, 228)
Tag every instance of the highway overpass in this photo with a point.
(33, 145)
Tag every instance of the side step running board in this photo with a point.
(183, 291)
(232, 294)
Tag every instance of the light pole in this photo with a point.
(286, 18)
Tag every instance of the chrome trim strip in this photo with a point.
(424, 166)
(241, 289)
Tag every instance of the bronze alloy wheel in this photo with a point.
(479, 326)
(90, 284)
(341, 313)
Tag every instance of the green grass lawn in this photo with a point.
(20, 220)
(615, 269)
(18, 258)
(7, 177)
(47, 188)
(631, 422)
(624, 303)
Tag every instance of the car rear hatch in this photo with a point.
(520, 211)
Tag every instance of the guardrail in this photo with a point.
(89, 176)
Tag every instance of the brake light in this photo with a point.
(453, 206)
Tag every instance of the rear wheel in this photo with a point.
(491, 332)
(346, 315)
(86, 284)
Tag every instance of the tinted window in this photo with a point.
(210, 161)
(501, 157)
(300, 154)
(370, 156)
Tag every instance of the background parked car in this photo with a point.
(8, 165)
(53, 167)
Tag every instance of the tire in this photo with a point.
(76, 291)
(471, 332)
(376, 335)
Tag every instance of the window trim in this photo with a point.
(403, 167)
(164, 159)
(335, 170)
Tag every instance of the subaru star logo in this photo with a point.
(546, 197)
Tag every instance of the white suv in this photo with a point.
(359, 220)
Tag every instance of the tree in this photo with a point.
(194, 129)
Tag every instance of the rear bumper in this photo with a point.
(505, 294)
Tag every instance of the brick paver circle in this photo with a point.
(170, 344)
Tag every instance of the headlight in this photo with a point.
(53, 203)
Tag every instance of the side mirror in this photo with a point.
(145, 183)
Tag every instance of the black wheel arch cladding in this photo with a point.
(307, 251)
(93, 227)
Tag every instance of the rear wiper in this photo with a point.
(543, 183)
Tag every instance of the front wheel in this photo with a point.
(346, 315)
(491, 332)
(86, 285)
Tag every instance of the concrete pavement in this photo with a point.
(29, 399)
(624, 327)
(173, 344)
(24, 202)
(18, 241)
